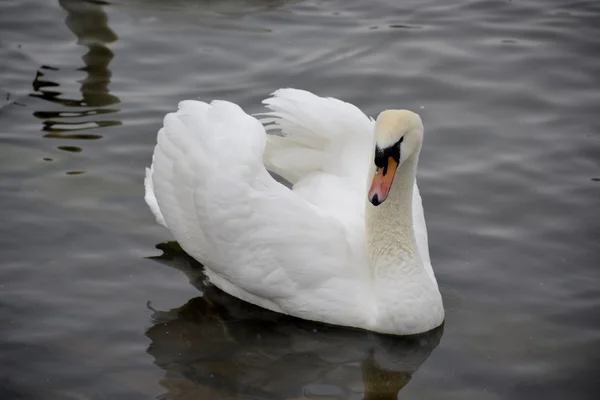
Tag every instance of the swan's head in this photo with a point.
(398, 136)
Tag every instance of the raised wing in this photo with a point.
(319, 135)
(259, 240)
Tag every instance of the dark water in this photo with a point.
(509, 92)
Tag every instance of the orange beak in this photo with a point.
(382, 182)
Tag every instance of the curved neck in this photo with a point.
(406, 298)
(389, 226)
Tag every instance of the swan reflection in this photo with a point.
(218, 346)
(89, 23)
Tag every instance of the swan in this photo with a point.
(346, 245)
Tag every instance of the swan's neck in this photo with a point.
(406, 299)
(389, 227)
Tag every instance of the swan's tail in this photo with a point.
(151, 198)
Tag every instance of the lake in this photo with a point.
(97, 302)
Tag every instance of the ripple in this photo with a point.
(76, 136)
(405, 26)
(70, 149)
(57, 127)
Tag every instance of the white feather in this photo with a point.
(301, 251)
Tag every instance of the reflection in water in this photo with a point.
(89, 23)
(70, 149)
(217, 346)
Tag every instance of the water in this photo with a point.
(94, 303)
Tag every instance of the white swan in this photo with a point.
(319, 251)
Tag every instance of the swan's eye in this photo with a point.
(380, 159)
(383, 155)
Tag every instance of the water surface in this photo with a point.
(94, 301)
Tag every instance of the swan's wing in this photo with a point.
(324, 135)
(259, 240)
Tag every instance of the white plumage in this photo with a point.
(305, 251)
